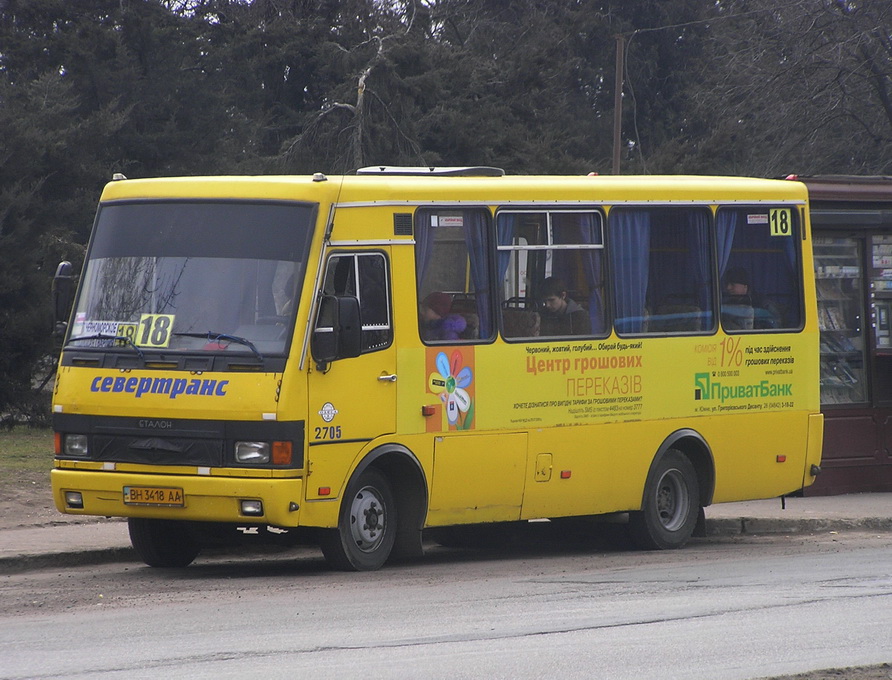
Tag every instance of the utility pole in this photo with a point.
(618, 101)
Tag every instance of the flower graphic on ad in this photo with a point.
(450, 383)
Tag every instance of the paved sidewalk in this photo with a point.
(849, 512)
(106, 540)
(65, 543)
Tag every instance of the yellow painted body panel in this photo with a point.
(478, 478)
(815, 446)
(245, 396)
(558, 428)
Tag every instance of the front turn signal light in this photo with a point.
(281, 453)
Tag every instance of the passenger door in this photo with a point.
(353, 400)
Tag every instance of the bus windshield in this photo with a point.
(218, 276)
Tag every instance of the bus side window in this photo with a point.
(759, 266)
(452, 269)
(552, 273)
(365, 277)
(663, 271)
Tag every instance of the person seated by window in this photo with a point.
(562, 315)
(436, 322)
(737, 284)
(742, 307)
(737, 304)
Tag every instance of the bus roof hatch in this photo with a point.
(465, 171)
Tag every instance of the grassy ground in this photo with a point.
(26, 456)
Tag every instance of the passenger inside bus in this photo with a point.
(436, 320)
(737, 305)
(742, 307)
(561, 315)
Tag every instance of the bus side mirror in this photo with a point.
(338, 332)
(63, 296)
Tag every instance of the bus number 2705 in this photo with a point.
(328, 432)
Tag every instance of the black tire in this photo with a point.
(366, 527)
(668, 514)
(163, 543)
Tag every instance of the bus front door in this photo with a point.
(351, 404)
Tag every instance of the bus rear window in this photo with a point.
(759, 267)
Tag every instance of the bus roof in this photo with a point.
(489, 189)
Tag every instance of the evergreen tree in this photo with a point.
(47, 192)
(178, 87)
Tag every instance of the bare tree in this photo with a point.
(792, 87)
(386, 28)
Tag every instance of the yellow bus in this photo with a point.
(356, 359)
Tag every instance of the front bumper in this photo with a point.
(205, 499)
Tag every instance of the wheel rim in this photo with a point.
(367, 519)
(673, 500)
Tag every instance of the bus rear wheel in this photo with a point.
(671, 503)
(366, 528)
(163, 543)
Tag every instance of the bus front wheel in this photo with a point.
(163, 543)
(366, 528)
(671, 503)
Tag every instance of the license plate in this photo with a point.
(153, 495)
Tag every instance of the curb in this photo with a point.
(752, 526)
(18, 564)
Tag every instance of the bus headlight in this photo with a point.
(75, 445)
(252, 453)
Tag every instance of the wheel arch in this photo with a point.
(695, 447)
(409, 485)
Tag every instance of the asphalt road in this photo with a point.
(722, 609)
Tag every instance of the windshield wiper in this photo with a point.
(116, 338)
(216, 337)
